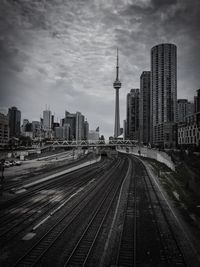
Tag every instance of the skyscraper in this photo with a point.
(163, 94)
(47, 120)
(66, 131)
(117, 86)
(79, 126)
(144, 107)
(14, 116)
(86, 130)
(124, 130)
(47, 131)
(71, 120)
(133, 114)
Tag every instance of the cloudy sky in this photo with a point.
(62, 53)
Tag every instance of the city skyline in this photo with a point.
(63, 54)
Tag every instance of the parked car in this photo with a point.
(18, 162)
(7, 164)
(12, 162)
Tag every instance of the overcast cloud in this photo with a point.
(63, 53)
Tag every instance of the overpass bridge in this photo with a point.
(91, 143)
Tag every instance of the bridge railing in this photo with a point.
(92, 142)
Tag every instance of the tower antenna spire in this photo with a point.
(117, 67)
(117, 85)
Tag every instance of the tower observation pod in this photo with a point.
(117, 85)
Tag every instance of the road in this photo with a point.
(110, 213)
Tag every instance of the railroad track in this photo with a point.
(82, 252)
(76, 233)
(171, 253)
(126, 255)
(20, 201)
(85, 202)
(145, 214)
(10, 184)
(37, 187)
(13, 225)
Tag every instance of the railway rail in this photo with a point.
(171, 252)
(144, 230)
(126, 254)
(82, 251)
(15, 222)
(146, 216)
(37, 252)
(10, 183)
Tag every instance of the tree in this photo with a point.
(102, 137)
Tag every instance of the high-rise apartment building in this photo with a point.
(132, 119)
(4, 130)
(163, 94)
(144, 107)
(184, 109)
(14, 116)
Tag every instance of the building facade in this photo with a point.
(86, 130)
(4, 130)
(132, 119)
(124, 130)
(163, 92)
(93, 135)
(14, 116)
(66, 131)
(59, 132)
(70, 119)
(79, 126)
(144, 107)
(189, 131)
(184, 109)
(36, 127)
(197, 102)
(25, 122)
(47, 120)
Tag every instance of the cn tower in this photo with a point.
(117, 85)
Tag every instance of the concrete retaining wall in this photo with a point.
(153, 154)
